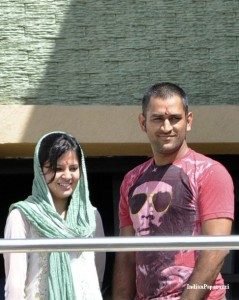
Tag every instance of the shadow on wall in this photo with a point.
(96, 52)
(104, 52)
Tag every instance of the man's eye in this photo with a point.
(176, 118)
(158, 119)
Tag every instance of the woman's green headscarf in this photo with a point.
(41, 213)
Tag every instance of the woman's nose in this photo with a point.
(67, 173)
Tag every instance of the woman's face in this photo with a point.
(66, 178)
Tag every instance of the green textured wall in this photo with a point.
(109, 52)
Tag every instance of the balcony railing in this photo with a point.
(117, 244)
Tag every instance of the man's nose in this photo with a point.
(166, 126)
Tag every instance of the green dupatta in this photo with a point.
(80, 222)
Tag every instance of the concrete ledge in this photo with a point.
(111, 130)
(99, 150)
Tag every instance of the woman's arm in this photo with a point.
(100, 257)
(15, 264)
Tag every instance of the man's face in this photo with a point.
(166, 124)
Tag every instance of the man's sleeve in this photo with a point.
(216, 194)
(124, 215)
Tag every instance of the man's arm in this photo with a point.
(124, 271)
(209, 262)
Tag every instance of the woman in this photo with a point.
(59, 207)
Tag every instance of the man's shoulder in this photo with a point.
(200, 158)
(202, 163)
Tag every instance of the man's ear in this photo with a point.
(142, 122)
(189, 121)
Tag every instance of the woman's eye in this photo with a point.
(73, 169)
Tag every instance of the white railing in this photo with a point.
(117, 244)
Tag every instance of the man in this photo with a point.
(177, 192)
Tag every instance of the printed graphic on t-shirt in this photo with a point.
(161, 204)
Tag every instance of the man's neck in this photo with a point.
(165, 159)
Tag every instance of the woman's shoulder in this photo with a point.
(16, 215)
(16, 224)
